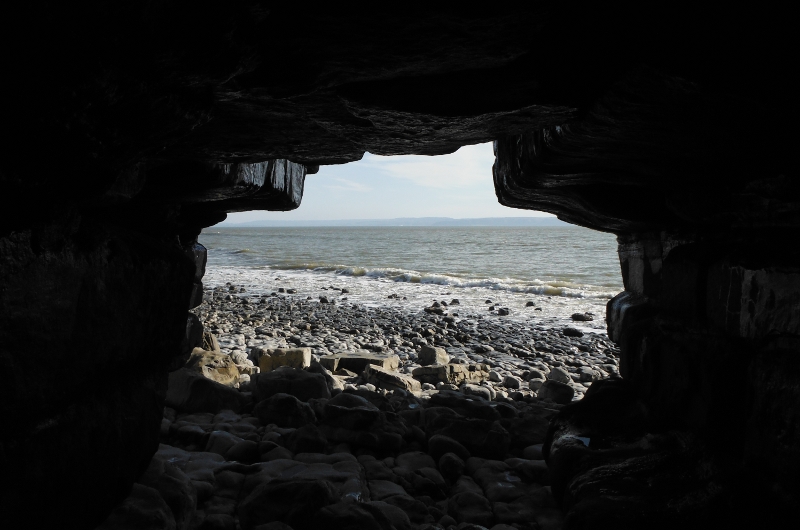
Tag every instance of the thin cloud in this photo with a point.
(347, 185)
(469, 166)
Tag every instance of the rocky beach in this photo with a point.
(301, 411)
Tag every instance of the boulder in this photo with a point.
(215, 366)
(557, 392)
(429, 355)
(358, 361)
(189, 391)
(271, 358)
(453, 374)
(350, 411)
(174, 487)
(286, 380)
(560, 375)
(289, 500)
(284, 410)
(382, 378)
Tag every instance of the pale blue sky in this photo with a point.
(457, 185)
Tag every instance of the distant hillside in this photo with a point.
(407, 221)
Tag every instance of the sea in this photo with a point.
(562, 270)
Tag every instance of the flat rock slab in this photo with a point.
(271, 358)
(382, 378)
(358, 361)
(454, 374)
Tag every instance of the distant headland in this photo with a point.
(404, 221)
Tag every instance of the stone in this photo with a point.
(510, 381)
(572, 332)
(559, 375)
(286, 380)
(271, 358)
(358, 361)
(350, 411)
(174, 486)
(284, 410)
(246, 452)
(451, 466)
(429, 355)
(587, 373)
(189, 391)
(582, 317)
(469, 507)
(220, 442)
(290, 500)
(415, 460)
(381, 489)
(209, 342)
(453, 374)
(307, 439)
(438, 445)
(557, 392)
(503, 311)
(215, 366)
(388, 380)
(142, 508)
(477, 390)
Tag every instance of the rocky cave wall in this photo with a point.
(132, 126)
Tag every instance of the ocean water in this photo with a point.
(562, 270)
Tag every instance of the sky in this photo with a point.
(457, 185)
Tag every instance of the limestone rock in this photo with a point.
(215, 366)
(271, 358)
(454, 374)
(383, 378)
(358, 361)
(433, 355)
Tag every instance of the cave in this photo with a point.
(134, 125)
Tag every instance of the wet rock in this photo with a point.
(582, 317)
(571, 332)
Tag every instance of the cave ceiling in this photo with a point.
(621, 118)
